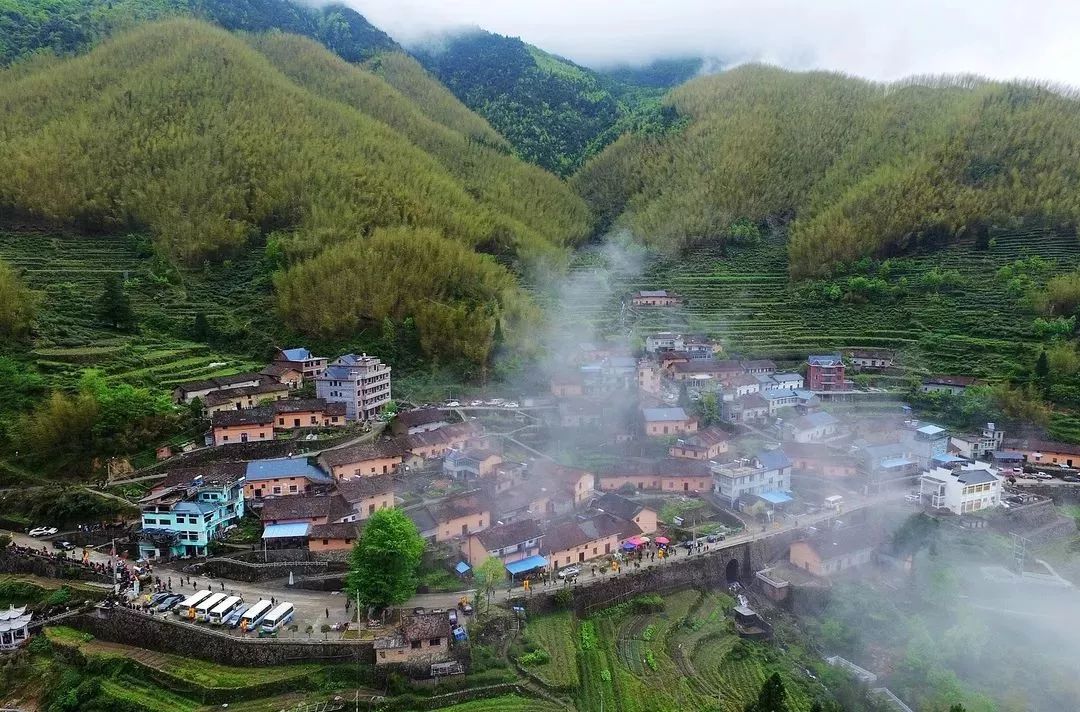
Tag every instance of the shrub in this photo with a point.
(649, 603)
(588, 635)
(537, 657)
(564, 598)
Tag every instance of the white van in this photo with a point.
(202, 610)
(183, 609)
(255, 615)
(223, 609)
(280, 616)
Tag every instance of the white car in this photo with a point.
(476, 403)
(1043, 476)
(42, 531)
(569, 572)
(453, 404)
(912, 497)
(511, 404)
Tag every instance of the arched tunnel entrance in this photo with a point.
(732, 571)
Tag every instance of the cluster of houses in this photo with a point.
(257, 407)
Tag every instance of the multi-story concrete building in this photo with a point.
(362, 383)
(766, 473)
(965, 489)
(310, 365)
(826, 373)
(191, 507)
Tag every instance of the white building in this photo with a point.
(768, 474)
(812, 427)
(976, 446)
(790, 381)
(362, 383)
(963, 490)
(664, 341)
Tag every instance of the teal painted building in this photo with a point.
(190, 508)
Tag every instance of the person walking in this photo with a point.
(327, 612)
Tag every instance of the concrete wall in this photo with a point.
(120, 625)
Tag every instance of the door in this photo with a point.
(296, 422)
(581, 556)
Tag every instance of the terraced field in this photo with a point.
(746, 300)
(70, 272)
(555, 634)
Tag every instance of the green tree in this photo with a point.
(200, 328)
(710, 409)
(772, 697)
(489, 575)
(114, 305)
(384, 562)
(18, 304)
(1042, 367)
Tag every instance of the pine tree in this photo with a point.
(114, 306)
(200, 330)
(1042, 367)
(772, 697)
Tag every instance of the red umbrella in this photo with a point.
(662, 540)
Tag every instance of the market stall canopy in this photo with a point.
(533, 562)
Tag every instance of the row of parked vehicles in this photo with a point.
(222, 609)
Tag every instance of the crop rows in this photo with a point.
(555, 634)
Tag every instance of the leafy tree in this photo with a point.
(684, 397)
(200, 327)
(710, 409)
(18, 304)
(114, 305)
(384, 562)
(1042, 366)
(489, 574)
(772, 697)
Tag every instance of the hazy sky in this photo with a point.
(872, 38)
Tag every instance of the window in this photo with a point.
(325, 542)
(314, 420)
(415, 644)
(262, 435)
(149, 521)
(435, 641)
(244, 437)
(281, 421)
(277, 490)
(371, 509)
(293, 489)
(224, 438)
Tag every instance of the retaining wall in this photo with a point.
(121, 625)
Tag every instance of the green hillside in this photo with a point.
(69, 26)
(552, 111)
(188, 132)
(860, 168)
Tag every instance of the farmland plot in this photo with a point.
(555, 634)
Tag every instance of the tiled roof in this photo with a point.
(443, 436)
(505, 535)
(664, 415)
(335, 530)
(300, 354)
(761, 363)
(824, 360)
(958, 381)
(218, 473)
(579, 531)
(262, 415)
(361, 452)
(356, 489)
(217, 382)
(422, 518)
(258, 470)
(833, 543)
(305, 405)
(299, 506)
(666, 467)
(465, 505)
(225, 396)
(820, 419)
(709, 437)
(425, 626)
(618, 505)
(422, 416)
(773, 459)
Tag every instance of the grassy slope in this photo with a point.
(865, 168)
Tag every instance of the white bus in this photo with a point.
(202, 610)
(223, 609)
(254, 615)
(183, 609)
(277, 618)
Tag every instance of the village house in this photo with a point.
(950, 384)
(244, 397)
(648, 377)
(505, 476)
(189, 508)
(420, 639)
(968, 488)
(230, 427)
(820, 459)
(826, 373)
(702, 369)
(766, 475)
(655, 298)
(699, 346)
(325, 508)
(470, 463)
(871, 359)
(707, 444)
(283, 476)
(285, 375)
(1045, 452)
(585, 537)
(421, 420)
(187, 392)
(367, 495)
(886, 462)
(978, 446)
(742, 384)
(337, 536)
(297, 413)
(812, 428)
(434, 444)
(759, 367)
(924, 441)
(668, 360)
(461, 515)
(362, 383)
(663, 341)
(567, 384)
(615, 373)
(667, 475)
(789, 381)
(381, 457)
(832, 551)
(627, 510)
(752, 408)
(538, 497)
(511, 542)
(581, 413)
(561, 480)
(778, 398)
(302, 360)
(421, 516)
(662, 422)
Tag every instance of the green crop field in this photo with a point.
(69, 272)
(746, 300)
(508, 703)
(555, 635)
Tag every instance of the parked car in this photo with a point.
(63, 545)
(157, 598)
(476, 403)
(1043, 476)
(42, 531)
(170, 602)
(511, 404)
(453, 404)
(569, 572)
(911, 497)
(467, 609)
(1071, 478)
(453, 617)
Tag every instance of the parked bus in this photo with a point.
(202, 610)
(223, 609)
(233, 619)
(183, 609)
(277, 618)
(254, 615)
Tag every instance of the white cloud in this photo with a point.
(879, 39)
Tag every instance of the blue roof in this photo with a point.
(282, 531)
(930, 429)
(533, 562)
(773, 459)
(462, 567)
(296, 354)
(336, 372)
(775, 496)
(200, 507)
(258, 470)
(896, 462)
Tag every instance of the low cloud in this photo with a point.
(871, 38)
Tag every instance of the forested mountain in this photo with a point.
(68, 26)
(212, 144)
(658, 74)
(554, 112)
(859, 168)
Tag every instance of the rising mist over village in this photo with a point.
(520, 357)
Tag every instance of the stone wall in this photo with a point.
(121, 625)
(13, 562)
(237, 570)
